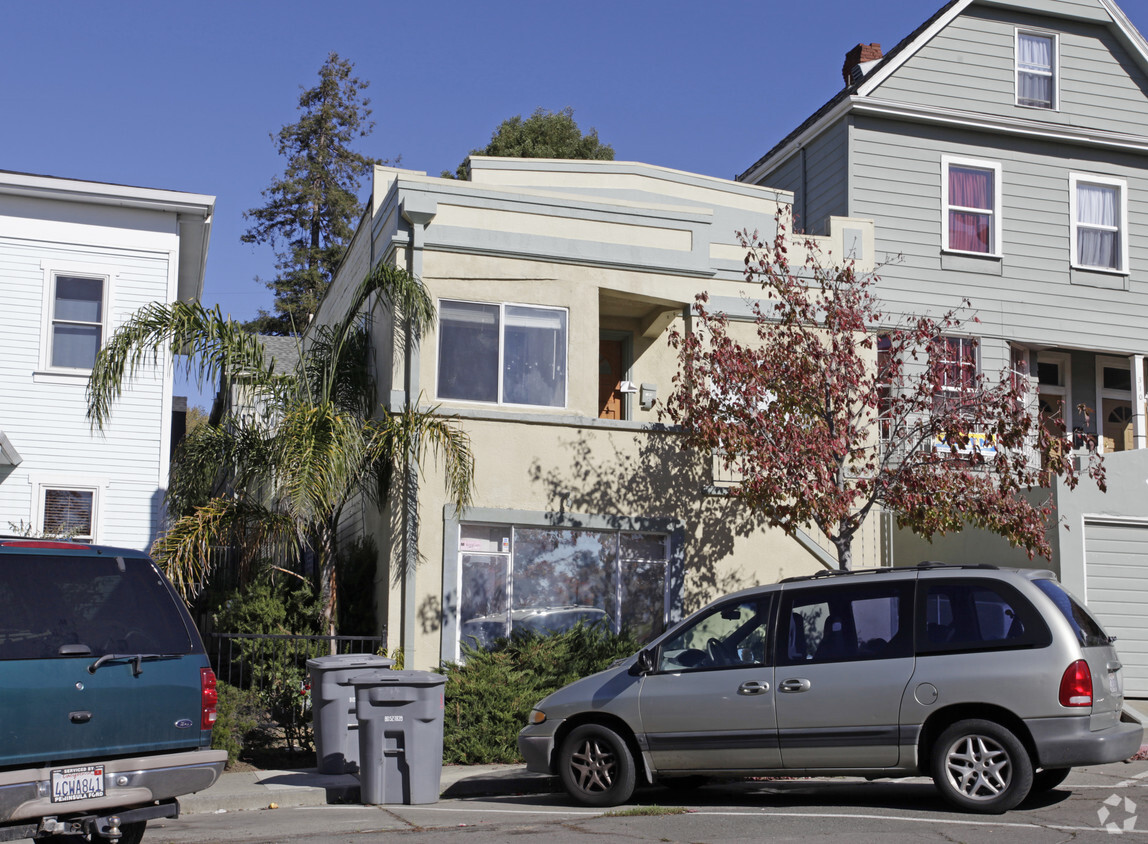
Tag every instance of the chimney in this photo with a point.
(856, 59)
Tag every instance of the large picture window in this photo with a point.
(77, 321)
(1035, 69)
(549, 579)
(1098, 214)
(971, 196)
(501, 353)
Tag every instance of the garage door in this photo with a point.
(1116, 574)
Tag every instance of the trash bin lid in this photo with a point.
(350, 661)
(395, 678)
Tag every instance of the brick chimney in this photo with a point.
(859, 55)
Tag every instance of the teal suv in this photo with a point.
(107, 700)
(993, 682)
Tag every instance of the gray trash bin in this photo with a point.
(400, 735)
(333, 707)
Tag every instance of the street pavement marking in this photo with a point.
(1133, 781)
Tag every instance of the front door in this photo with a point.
(844, 658)
(611, 370)
(708, 706)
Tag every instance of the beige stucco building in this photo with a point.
(557, 284)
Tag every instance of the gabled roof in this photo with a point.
(845, 99)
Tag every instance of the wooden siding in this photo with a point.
(44, 416)
(969, 66)
(1029, 297)
(818, 175)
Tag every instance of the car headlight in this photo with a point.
(537, 716)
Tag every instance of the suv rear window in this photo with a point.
(976, 615)
(109, 604)
(1088, 631)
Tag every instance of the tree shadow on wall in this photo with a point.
(648, 475)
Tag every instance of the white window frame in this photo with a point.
(1076, 179)
(1054, 70)
(502, 306)
(41, 487)
(48, 321)
(976, 364)
(948, 161)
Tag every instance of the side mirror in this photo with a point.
(644, 664)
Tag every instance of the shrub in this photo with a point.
(488, 697)
(238, 716)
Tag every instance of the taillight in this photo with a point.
(1076, 685)
(208, 697)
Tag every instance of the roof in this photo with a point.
(193, 211)
(914, 41)
(284, 351)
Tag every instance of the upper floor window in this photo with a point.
(1036, 69)
(1099, 209)
(954, 364)
(971, 197)
(76, 324)
(500, 353)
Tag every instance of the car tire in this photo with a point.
(980, 766)
(596, 766)
(1048, 779)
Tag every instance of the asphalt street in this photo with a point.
(1094, 804)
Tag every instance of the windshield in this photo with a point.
(63, 605)
(1088, 630)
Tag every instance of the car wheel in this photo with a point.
(1048, 779)
(596, 766)
(980, 766)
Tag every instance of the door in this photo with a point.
(611, 369)
(844, 658)
(708, 706)
(1116, 581)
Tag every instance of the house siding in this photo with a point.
(1030, 291)
(41, 412)
(969, 66)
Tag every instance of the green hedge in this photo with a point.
(488, 697)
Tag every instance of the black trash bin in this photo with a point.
(333, 707)
(400, 735)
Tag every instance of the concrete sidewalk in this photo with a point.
(247, 790)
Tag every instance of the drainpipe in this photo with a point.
(418, 210)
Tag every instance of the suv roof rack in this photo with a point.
(837, 573)
(936, 564)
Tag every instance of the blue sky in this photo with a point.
(184, 96)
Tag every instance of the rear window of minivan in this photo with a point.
(109, 604)
(1088, 630)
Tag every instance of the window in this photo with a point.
(734, 634)
(845, 623)
(69, 514)
(971, 196)
(503, 354)
(885, 387)
(976, 616)
(1036, 55)
(954, 363)
(549, 579)
(1099, 209)
(76, 324)
(1114, 400)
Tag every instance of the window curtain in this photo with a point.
(1034, 63)
(970, 188)
(1096, 206)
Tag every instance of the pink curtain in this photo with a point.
(968, 230)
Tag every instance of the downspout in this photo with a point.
(418, 210)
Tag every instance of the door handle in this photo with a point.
(753, 687)
(794, 685)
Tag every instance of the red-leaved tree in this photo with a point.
(823, 408)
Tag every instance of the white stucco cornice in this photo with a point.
(193, 213)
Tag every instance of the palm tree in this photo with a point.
(288, 472)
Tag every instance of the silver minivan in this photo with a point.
(994, 682)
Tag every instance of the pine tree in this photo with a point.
(311, 210)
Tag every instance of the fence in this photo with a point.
(275, 667)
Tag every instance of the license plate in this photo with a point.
(77, 783)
